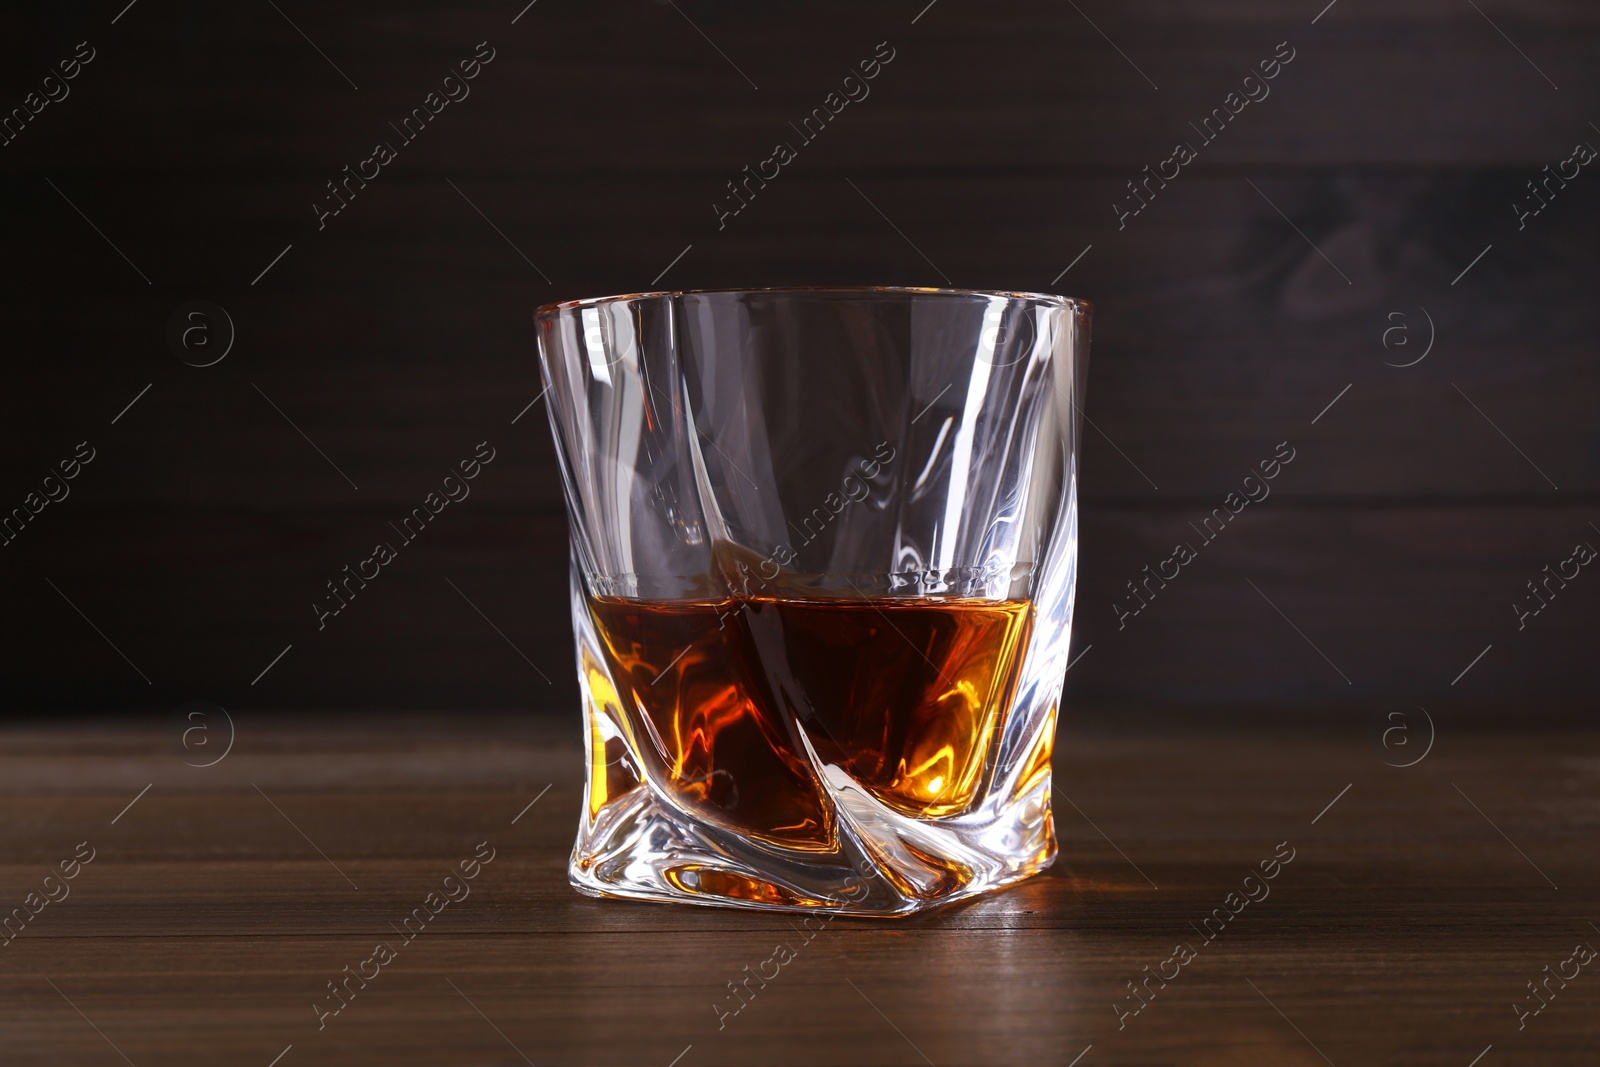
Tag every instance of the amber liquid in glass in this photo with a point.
(906, 695)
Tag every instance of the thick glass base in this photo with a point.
(705, 787)
(883, 863)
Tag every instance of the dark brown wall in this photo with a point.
(997, 140)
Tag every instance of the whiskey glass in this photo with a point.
(823, 549)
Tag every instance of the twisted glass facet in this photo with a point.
(823, 555)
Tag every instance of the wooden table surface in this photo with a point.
(1419, 904)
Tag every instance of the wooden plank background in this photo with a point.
(997, 140)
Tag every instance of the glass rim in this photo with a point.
(551, 310)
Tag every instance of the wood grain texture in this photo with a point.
(1402, 931)
(1342, 608)
(1219, 331)
(629, 87)
(1386, 159)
